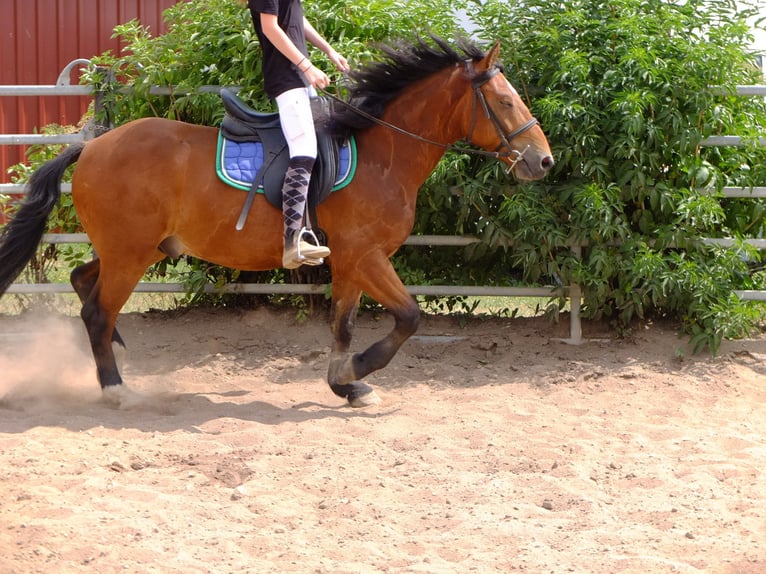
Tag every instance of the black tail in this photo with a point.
(20, 237)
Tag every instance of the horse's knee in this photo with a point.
(408, 321)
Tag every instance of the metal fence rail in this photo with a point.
(740, 192)
(572, 292)
(307, 289)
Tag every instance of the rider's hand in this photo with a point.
(339, 61)
(316, 77)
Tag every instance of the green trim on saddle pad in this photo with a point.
(226, 177)
(219, 167)
(352, 162)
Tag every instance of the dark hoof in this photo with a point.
(358, 394)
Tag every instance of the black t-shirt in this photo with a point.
(279, 73)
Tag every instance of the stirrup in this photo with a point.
(301, 252)
(306, 232)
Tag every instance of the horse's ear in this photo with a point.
(491, 58)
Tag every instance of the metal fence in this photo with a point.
(741, 192)
(572, 292)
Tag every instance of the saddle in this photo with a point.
(253, 155)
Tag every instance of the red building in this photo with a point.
(38, 38)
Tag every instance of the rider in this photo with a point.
(290, 78)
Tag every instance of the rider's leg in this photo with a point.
(298, 126)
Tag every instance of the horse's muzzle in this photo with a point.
(531, 164)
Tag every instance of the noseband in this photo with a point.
(478, 80)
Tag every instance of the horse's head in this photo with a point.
(501, 122)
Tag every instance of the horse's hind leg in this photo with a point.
(113, 285)
(83, 279)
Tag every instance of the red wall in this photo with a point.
(38, 38)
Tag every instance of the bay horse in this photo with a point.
(148, 189)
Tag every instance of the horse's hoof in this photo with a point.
(122, 397)
(357, 393)
(366, 399)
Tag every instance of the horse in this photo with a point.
(148, 190)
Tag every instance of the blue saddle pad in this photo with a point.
(238, 163)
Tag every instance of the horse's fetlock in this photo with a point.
(341, 371)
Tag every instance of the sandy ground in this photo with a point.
(496, 449)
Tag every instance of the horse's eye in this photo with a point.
(507, 102)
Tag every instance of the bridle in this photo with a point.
(477, 81)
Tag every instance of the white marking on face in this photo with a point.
(512, 88)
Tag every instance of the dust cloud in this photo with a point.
(45, 361)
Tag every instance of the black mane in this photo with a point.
(374, 85)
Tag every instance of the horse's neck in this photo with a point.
(431, 109)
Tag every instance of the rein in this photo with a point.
(476, 83)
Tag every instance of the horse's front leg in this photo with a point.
(346, 371)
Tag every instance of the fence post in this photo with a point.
(575, 303)
(102, 120)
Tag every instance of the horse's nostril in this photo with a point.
(547, 162)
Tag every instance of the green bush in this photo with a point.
(625, 92)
